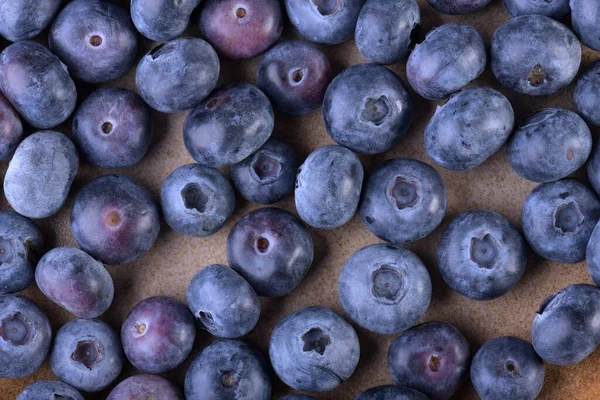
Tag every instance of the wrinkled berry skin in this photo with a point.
(49, 390)
(403, 201)
(75, 281)
(391, 392)
(178, 74)
(232, 123)
(432, 358)
(535, 55)
(163, 19)
(314, 349)
(25, 336)
(471, 126)
(481, 255)
(385, 289)
(294, 75)
(21, 244)
(328, 187)
(587, 94)
(87, 355)
(458, 7)
(197, 200)
(507, 368)
(267, 176)
(115, 219)
(558, 219)
(324, 21)
(145, 386)
(241, 29)
(271, 249)
(43, 157)
(228, 369)
(565, 329)
(556, 9)
(37, 84)
(550, 145)
(223, 302)
(585, 18)
(593, 255)
(11, 129)
(451, 56)
(23, 20)
(367, 109)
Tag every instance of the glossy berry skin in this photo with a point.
(268, 175)
(451, 56)
(75, 281)
(469, 128)
(115, 219)
(384, 289)
(25, 336)
(163, 19)
(403, 201)
(367, 109)
(197, 200)
(49, 390)
(535, 55)
(271, 249)
(391, 392)
(556, 9)
(314, 349)
(146, 386)
(585, 18)
(558, 219)
(324, 21)
(458, 7)
(294, 74)
(43, 157)
(587, 95)
(21, 244)
(37, 84)
(507, 368)
(11, 129)
(232, 123)
(228, 369)
(550, 144)
(241, 29)
(87, 355)
(223, 302)
(593, 255)
(328, 187)
(432, 358)
(565, 329)
(178, 74)
(23, 20)
(158, 334)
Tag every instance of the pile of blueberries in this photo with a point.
(366, 109)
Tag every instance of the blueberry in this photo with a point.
(297, 397)
(535, 55)
(565, 329)
(232, 123)
(146, 386)
(228, 369)
(481, 255)
(593, 168)
(115, 219)
(432, 358)
(223, 302)
(558, 219)
(587, 94)
(113, 128)
(328, 187)
(271, 249)
(367, 109)
(593, 255)
(25, 19)
(25, 336)
(294, 75)
(385, 30)
(391, 392)
(21, 243)
(550, 144)
(324, 21)
(87, 355)
(471, 126)
(178, 74)
(585, 18)
(241, 29)
(37, 84)
(314, 349)
(385, 289)
(507, 368)
(158, 334)
(163, 19)
(11, 129)
(197, 200)
(451, 56)
(40, 174)
(52, 390)
(557, 9)
(457, 7)
(404, 200)
(75, 281)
